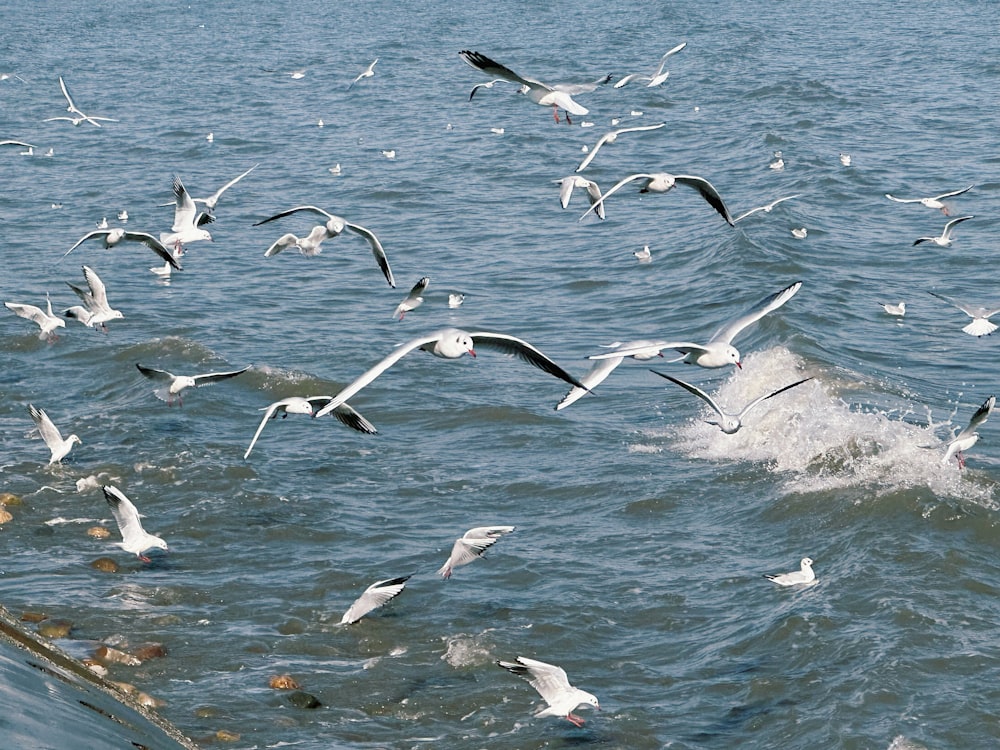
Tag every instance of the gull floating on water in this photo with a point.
(536, 91)
(73, 110)
(51, 435)
(45, 319)
(658, 77)
(980, 325)
(845, 159)
(933, 202)
(452, 343)
(778, 163)
(413, 300)
(306, 405)
(805, 574)
(662, 182)
(945, 239)
(375, 596)
(766, 209)
(800, 233)
(175, 384)
(123, 216)
(471, 546)
(455, 300)
(102, 224)
(333, 227)
(611, 137)
(162, 272)
(568, 184)
(135, 539)
(213, 200)
(95, 310)
(968, 437)
(898, 310)
(187, 220)
(117, 235)
(645, 255)
(553, 685)
(728, 423)
(366, 73)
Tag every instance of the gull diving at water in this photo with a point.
(187, 220)
(375, 596)
(173, 385)
(611, 137)
(968, 437)
(945, 239)
(58, 447)
(213, 200)
(933, 202)
(728, 423)
(662, 182)
(553, 685)
(334, 226)
(95, 310)
(117, 235)
(307, 405)
(45, 319)
(452, 343)
(567, 186)
(135, 539)
(366, 73)
(73, 110)
(805, 574)
(766, 209)
(471, 546)
(658, 77)
(413, 300)
(981, 324)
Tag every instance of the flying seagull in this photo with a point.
(568, 184)
(73, 110)
(51, 435)
(766, 209)
(658, 77)
(307, 405)
(611, 137)
(366, 73)
(45, 319)
(944, 240)
(662, 182)
(803, 575)
(188, 221)
(981, 324)
(471, 546)
(95, 310)
(606, 362)
(968, 437)
(135, 539)
(553, 685)
(933, 202)
(173, 385)
(112, 237)
(413, 300)
(213, 200)
(375, 596)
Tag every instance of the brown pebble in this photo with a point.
(150, 651)
(283, 682)
(96, 667)
(147, 700)
(9, 498)
(98, 532)
(105, 564)
(55, 628)
(5, 516)
(33, 616)
(206, 712)
(110, 655)
(224, 735)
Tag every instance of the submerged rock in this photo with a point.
(300, 699)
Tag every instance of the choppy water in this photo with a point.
(642, 532)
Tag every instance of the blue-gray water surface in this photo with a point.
(642, 532)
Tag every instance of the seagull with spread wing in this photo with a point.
(553, 685)
(307, 405)
(173, 385)
(662, 182)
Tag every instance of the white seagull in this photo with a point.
(173, 385)
(968, 437)
(645, 255)
(376, 595)
(898, 310)
(413, 300)
(803, 575)
(45, 319)
(611, 137)
(22, 144)
(452, 343)
(305, 405)
(135, 539)
(606, 362)
(366, 73)
(945, 239)
(980, 325)
(553, 685)
(333, 226)
(766, 209)
(471, 546)
(213, 200)
(73, 110)
(112, 237)
(486, 85)
(538, 92)
(933, 202)
(728, 423)
(661, 182)
(187, 220)
(568, 184)
(455, 299)
(51, 435)
(95, 310)
(658, 77)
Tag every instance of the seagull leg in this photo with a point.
(961, 460)
(144, 559)
(568, 121)
(555, 112)
(575, 719)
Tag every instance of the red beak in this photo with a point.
(738, 364)
(472, 352)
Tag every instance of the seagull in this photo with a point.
(803, 575)
(93, 120)
(845, 159)
(933, 202)
(102, 224)
(553, 685)
(413, 300)
(376, 595)
(658, 77)
(22, 144)
(945, 239)
(455, 300)
(187, 220)
(305, 405)
(719, 351)
(661, 182)
(297, 74)
(575, 181)
(968, 437)
(135, 539)
(611, 137)
(471, 546)
(766, 209)
(778, 163)
(95, 310)
(645, 255)
(334, 226)
(162, 272)
(73, 110)
(123, 216)
(366, 73)
(800, 233)
(538, 92)
(175, 384)
(606, 363)
(114, 236)
(46, 320)
(212, 201)
(980, 325)
(452, 343)
(897, 310)
(487, 85)
(730, 423)
(50, 434)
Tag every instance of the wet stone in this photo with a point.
(224, 735)
(9, 498)
(300, 699)
(55, 628)
(5, 516)
(98, 532)
(33, 616)
(149, 651)
(105, 564)
(283, 682)
(110, 655)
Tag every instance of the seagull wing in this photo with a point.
(493, 68)
(695, 390)
(268, 413)
(617, 186)
(215, 377)
(729, 331)
(772, 394)
(376, 595)
(967, 309)
(97, 289)
(549, 680)
(214, 197)
(72, 107)
(663, 60)
(283, 242)
(30, 312)
(953, 193)
(597, 147)
(708, 192)
(981, 415)
(151, 242)
(523, 350)
(46, 428)
(636, 347)
(291, 211)
(347, 415)
(152, 373)
(184, 208)
(95, 233)
(377, 251)
(951, 224)
(902, 200)
(627, 80)
(593, 378)
(126, 515)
